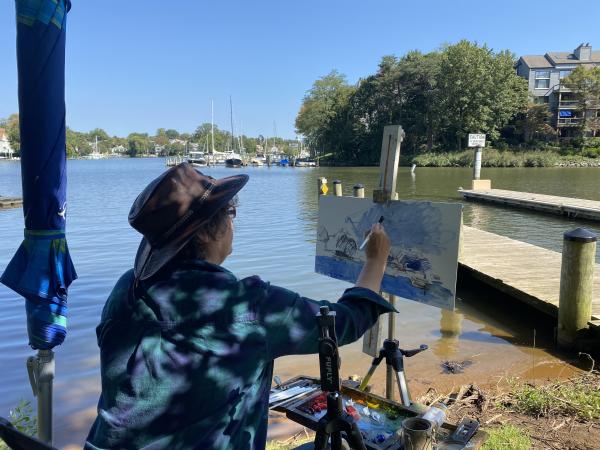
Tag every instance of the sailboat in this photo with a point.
(233, 159)
(95, 154)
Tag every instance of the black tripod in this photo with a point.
(394, 358)
(336, 421)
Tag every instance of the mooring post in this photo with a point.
(576, 279)
(337, 188)
(322, 185)
(359, 190)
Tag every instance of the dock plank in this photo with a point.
(527, 272)
(10, 202)
(570, 207)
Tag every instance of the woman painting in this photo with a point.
(187, 348)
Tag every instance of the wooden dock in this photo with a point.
(10, 202)
(570, 207)
(526, 272)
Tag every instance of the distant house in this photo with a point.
(544, 74)
(5, 149)
(118, 150)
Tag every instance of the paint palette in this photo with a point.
(379, 420)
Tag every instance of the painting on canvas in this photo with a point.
(424, 235)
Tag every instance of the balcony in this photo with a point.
(568, 122)
(567, 104)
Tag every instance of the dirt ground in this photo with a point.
(493, 407)
(555, 430)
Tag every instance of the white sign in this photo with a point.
(476, 140)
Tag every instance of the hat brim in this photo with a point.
(150, 259)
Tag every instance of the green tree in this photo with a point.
(11, 124)
(161, 138)
(320, 105)
(585, 84)
(479, 91)
(534, 122)
(138, 144)
(172, 134)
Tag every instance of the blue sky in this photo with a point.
(137, 65)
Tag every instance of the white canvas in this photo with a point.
(424, 235)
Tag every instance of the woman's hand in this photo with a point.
(377, 251)
(378, 247)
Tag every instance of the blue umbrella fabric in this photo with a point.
(41, 270)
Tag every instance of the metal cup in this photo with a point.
(417, 434)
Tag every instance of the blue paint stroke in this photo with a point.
(435, 294)
(415, 224)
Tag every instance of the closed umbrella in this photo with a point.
(41, 270)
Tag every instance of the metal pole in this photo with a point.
(41, 369)
(390, 375)
(477, 164)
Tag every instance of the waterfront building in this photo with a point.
(545, 73)
(5, 148)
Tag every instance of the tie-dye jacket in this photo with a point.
(189, 364)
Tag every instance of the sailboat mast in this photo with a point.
(212, 126)
(231, 116)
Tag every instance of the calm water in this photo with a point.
(275, 232)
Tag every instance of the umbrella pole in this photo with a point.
(41, 376)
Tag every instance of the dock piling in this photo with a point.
(576, 280)
(337, 188)
(359, 190)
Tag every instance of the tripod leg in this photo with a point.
(354, 438)
(336, 440)
(321, 439)
(367, 378)
(403, 388)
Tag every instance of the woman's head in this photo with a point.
(213, 242)
(180, 206)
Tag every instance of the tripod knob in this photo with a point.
(409, 353)
(324, 310)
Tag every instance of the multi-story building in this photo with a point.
(544, 74)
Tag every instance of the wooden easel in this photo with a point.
(393, 135)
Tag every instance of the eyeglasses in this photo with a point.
(231, 211)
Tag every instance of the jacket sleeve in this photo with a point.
(290, 319)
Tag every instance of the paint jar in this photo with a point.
(436, 414)
(417, 434)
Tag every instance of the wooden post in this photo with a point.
(337, 188)
(322, 184)
(576, 279)
(359, 190)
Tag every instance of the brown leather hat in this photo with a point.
(172, 208)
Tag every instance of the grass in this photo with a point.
(507, 437)
(576, 398)
(23, 419)
(495, 158)
(275, 445)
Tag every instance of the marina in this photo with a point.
(576, 208)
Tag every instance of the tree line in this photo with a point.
(165, 142)
(438, 98)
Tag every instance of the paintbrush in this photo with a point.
(369, 235)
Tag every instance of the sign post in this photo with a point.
(478, 141)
